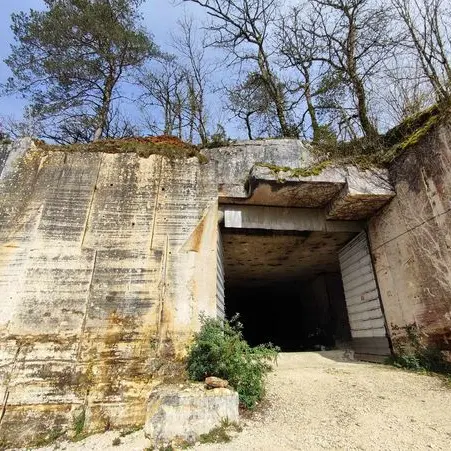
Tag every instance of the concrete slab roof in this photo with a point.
(265, 173)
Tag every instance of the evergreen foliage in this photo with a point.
(68, 60)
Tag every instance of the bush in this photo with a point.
(418, 355)
(220, 350)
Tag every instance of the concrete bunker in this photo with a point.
(295, 248)
(110, 257)
(287, 287)
(300, 280)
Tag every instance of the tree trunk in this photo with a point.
(201, 122)
(367, 126)
(274, 92)
(310, 107)
(102, 116)
(248, 125)
(167, 118)
(359, 89)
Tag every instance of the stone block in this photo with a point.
(185, 413)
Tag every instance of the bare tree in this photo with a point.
(249, 101)
(78, 130)
(192, 52)
(164, 88)
(427, 23)
(243, 28)
(299, 49)
(404, 90)
(354, 39)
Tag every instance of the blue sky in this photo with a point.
(160, 17)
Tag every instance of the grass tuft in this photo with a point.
(221, 433)
(167, 146)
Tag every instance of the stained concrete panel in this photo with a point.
(234, 162)
(411, 243)
(279, 218)
(122, 208)
(100, 255)
(53, 294)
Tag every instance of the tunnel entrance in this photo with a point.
(286, 287)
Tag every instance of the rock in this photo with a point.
(216, 382)
(176, 414)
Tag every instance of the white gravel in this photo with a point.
(322, 401)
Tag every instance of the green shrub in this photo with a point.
(418, 355)
(220, 350)
(409, 361)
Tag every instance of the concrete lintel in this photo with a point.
(364, 194)
(284, 218)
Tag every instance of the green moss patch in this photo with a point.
(167, 146)
(384, 149)
(220, 434)
(309, 171)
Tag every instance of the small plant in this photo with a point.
(414, 354)
(220, 350)
(220, 434)
(216, 435)
(49, 439)
(218, 138)
(116, 441)
(79, 423)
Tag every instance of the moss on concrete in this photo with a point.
(412, 138)
(309, 171)
(384, 149)
(167, 146)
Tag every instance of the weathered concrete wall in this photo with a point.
(236, 161)
(269, 173)
(411, 242)
(106, 261)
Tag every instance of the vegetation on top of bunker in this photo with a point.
(219, 350)
(414, 352)
(218, 139)
(382, 150)
(167, 146)
(371, 152)
(314, 169)
(365, 153)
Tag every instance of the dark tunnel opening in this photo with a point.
(286, 288)
(292, 315)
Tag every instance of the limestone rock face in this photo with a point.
(104, 258)
(186, 413)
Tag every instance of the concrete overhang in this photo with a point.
(346, 193)
(265, 173)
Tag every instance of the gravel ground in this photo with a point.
(322, 401)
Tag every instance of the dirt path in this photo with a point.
(320, 401)
(324, 402)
